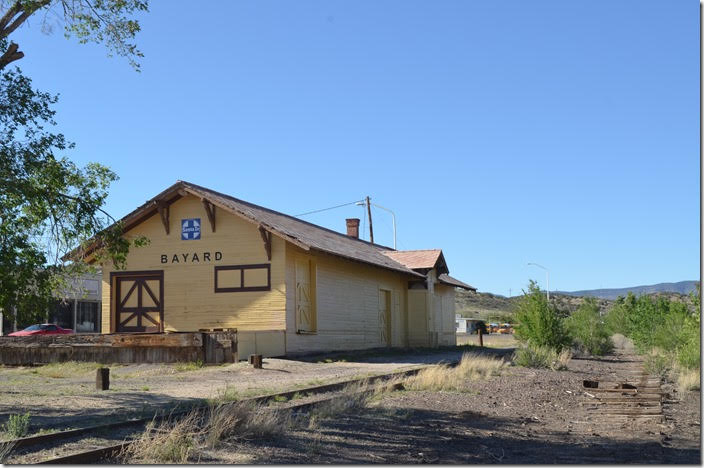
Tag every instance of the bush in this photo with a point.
(588, 331)
(17, 425)
(539, 323)
(541, 357)
(660, 323)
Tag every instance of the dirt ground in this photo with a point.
(523, 416)
(61, 397)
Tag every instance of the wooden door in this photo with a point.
(139, 301)
(385, 317)
(305, 313)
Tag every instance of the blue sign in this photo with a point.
(190, 229)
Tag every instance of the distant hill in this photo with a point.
(498, 308)
(683, 287)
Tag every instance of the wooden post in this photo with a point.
(256, 360)
(481, 336)
(102, 378)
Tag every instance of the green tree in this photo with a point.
(101, 21)
(588, 330)
(539, 322)
(48, 205)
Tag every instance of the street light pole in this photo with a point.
(547, 273)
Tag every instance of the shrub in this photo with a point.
(539, 323)
(541, 357)
(587, 329)
(17, 425)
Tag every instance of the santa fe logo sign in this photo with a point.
(190, 229)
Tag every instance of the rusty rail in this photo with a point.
(94, 455)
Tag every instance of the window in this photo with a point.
(305, 296)
(87, 319)
(240, 278)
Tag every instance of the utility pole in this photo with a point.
(369, 212)
(547, 280)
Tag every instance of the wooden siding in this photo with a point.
(347, 303)
(190, 302)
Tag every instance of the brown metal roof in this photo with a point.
(301, 233)
(450, 281)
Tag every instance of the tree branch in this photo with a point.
(11, 13)
(10, 55)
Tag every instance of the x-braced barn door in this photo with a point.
(139, 300)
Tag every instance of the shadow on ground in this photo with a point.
(124, 406)
(421, 436)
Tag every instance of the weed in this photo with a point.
(243, 421)
(541, 357)
(188, 366)
(658, 362)
(280, 399)
(17, 425)
(145, 389)
(169, 442)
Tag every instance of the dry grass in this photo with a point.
(165, 443)
(688, 379)
(5, 449)
(242, 421)
(447, 378)
(178, 441)
(61, 370)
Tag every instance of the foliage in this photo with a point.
(17, 425)
(48, 205)
(109, 22)
(538, 322)
(587, 329)
(662, 324)
(535, 356)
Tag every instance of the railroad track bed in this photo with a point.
(105, 442)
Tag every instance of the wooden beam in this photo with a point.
(210, 210)
(266, 237)
(163, 209)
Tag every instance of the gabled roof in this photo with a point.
(426, 260)
(450, 281)
(300, 233)
(419, 259)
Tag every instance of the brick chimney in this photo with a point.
(353, 227)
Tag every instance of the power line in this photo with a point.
(326, 209)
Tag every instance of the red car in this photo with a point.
(43, 329)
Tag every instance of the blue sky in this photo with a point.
(560, 133)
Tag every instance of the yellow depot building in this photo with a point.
(287, 286)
